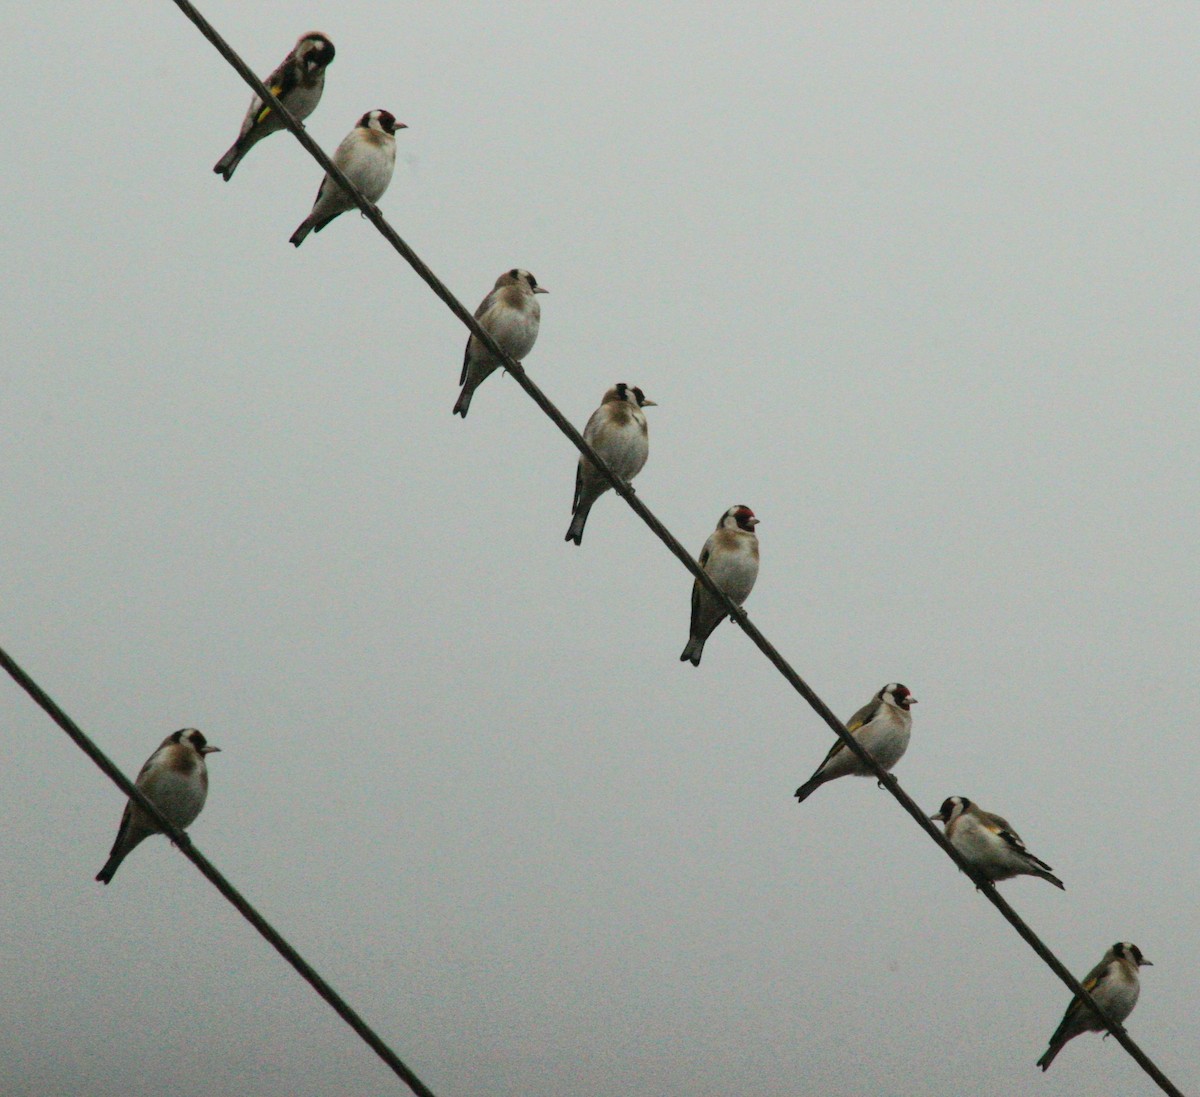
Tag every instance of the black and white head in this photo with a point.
(381, 121)
(191, 737)
(1125, 950)
(952, 808)
(739, 517)
(630, 394)
(897, 695)
(314, 51)
(522, 278)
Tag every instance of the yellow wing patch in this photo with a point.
(275, 90)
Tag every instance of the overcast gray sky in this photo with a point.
(918, 284)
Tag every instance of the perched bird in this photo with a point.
(730, 556)
(988, 843)
(366, 156)
(175, 780)
(882, 727)
(511, 315)
(1115, 986)
(297, 84)
(617, 431)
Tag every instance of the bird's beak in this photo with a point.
(1146, 963)
(753, 521)
(540, 289)
(649, 403)
(911, 699)
(210, 749)
(401, 125)
(938, 818)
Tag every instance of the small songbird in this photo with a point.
(988, 843)
(617, 431)
(175, 780)
(1115, 986)
(367, 157)
(297, 84)
(511, 315)
(882, 726)
(730, 556)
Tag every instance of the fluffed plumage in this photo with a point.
(297, 83)
(730, 556)
(882, 727)
(618, 432)
(1115, 986)
(175, 780)
(367, 157)
(511, 315)
(989, 843)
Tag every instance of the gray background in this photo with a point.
(919, 286)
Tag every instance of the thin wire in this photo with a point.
(180, 838)
(626, 492)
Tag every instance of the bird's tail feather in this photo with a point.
(693, 651)
(1053, 879)
(463, 404)
(1048, 1058)
(110, 867)
(297, 237)
(575, 530)
(227, 165)
(808, 788)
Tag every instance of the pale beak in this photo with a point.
(210, 749)
(401, 125)
(1146, 963)
(753, 521)
(540, 289)
(938, 818)
(649, 403)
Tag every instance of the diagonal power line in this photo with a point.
(738, 615)
(180, 838)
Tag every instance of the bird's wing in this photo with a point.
(863, 716)
(280, 84)
(1092, 984)
(480, 313)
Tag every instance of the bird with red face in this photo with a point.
(881, 727)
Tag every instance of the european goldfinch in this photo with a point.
(297, 84)
(367, 157)
(882, 726)
(1115, 986)
(511, 315)
(730, 556)
(175, 779)
(617, 431)
(988, 844)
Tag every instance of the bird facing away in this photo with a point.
(297, 84)
(175, 780)
(511, 315)
(618, 432)
(988, 843)
(882, 727)
(367, 157)
(1115, 986)
(730, 556)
